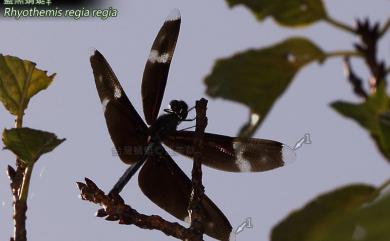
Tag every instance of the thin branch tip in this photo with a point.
(113, 209)
(354, 79)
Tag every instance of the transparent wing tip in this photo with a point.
(288, 154)
(232, 236)
(173, 15)
(92, 51)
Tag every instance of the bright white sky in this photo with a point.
(341, 152)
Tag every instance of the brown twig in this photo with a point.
(19, 206)
(355, 80)
(369, 35)
(385, 27)
(195, 206)
(367, 48)
(114, 209)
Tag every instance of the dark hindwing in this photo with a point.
(127, 130)
(234, 154)
(157, 66)
(163, 182)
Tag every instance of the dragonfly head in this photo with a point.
(179, 108)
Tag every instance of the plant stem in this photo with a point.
(385, 27)
(22, 179)
(343, 53)
(384, 186)
(387, 71)
(339, 25)
(25, 184)
(354, 79)
(20, 209)
(19, 121)
(195, 205)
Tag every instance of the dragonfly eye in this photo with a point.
(183, 114)
(180, 108)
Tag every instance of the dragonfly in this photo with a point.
(139, 144)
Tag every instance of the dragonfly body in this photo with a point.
(166, 124)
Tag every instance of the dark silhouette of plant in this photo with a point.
(258, 77)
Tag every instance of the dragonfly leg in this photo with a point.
(187, 128)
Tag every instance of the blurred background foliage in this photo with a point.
(258, 77)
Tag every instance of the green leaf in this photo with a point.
(19, 81)
(292, 13)
(371, 223)
(373, 115)
(29, 144)
(313, 221)
(257, 77)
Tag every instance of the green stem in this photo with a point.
(26, 183)
(339, 24)
(20, 167)
(19, 121)
(385, 27)
(22, 182)
(19, 117)
(384, 186)
(343, 53)
(387, 71)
